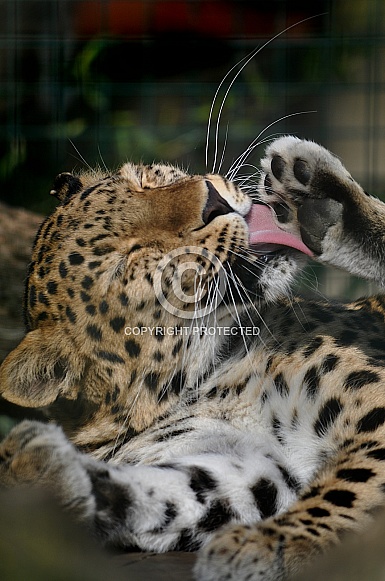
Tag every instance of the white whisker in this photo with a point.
(81, 158)
(255, 143)
(254, 307)
(245, 60)
(224, 149)
(102, 160)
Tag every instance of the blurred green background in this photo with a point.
(99, 82)
(103, 81)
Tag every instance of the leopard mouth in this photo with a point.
(267, 243)
(266, 237)
(265, 252)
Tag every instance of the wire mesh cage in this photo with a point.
(99, 82)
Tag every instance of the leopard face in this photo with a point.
(115, 248)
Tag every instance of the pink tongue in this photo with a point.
(263, 229)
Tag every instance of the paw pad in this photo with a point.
(278, 167)
(302, 171)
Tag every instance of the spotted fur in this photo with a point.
(260, 449)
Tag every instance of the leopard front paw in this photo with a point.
(310, 190)
(28, 453)
(240, 553)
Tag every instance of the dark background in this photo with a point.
(103, 81)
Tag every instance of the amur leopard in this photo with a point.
(195, 403)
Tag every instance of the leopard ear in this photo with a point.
(65, 185)
(34, 374)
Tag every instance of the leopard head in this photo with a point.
(122, 271)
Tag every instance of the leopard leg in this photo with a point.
(154, 507)
(336, 218)
(342, 499)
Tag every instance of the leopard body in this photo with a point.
(254, 432)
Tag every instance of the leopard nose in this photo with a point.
(215, 205)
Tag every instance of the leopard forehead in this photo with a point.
(155, 175)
